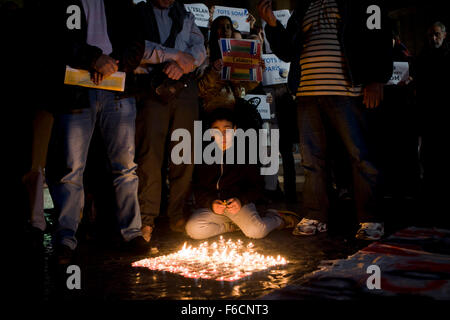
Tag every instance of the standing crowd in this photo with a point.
(339, 70)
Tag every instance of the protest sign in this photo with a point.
(281, 15)
(201, 13)
(400, 73)
(261, 104)
(241, 60)
(276, 70)
(237, 15)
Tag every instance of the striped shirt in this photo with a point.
(322, 63)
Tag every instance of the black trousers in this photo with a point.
(345, 114)
(155, 124)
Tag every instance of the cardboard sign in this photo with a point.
(241, 60)
(238, 16)
(276, 71)
(400, 73)
(78, 77)
(281, 15)
(201, 13)
(260, 102)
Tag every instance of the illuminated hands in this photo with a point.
(185, 61)
(104, 66)
(232, 205)
(266, 13)
(373, 95)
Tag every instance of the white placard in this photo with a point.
(260, 102)
(201, 13)
(276, 71)
(283, 16)
(238, 16)
(400, 73)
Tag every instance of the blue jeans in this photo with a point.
(72, 134)
(316, 114)
(204, 223)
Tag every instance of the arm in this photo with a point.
(282, 40)
(252, 182)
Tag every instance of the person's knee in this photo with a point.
(196, 230)
(255, 232)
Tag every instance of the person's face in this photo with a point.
(224, 28)
(436, 36)
(227, 136)
(162, 4)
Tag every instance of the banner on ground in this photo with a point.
(201, 13)
(237, 15)
(276, 70)
(261, 104)
(281, 15)
(241, 60)
(400, 73)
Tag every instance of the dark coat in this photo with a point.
(368, 53)
(225, 181)
(126, 39)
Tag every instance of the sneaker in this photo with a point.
(309, 227)
(290, 219)
(147, 232)
(370, 231)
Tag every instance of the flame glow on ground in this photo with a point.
(221, 261)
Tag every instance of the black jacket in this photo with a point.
(225, 181)
(126, 39)
(368, 53)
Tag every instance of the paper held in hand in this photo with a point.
(78, 77)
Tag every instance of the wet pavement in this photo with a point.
(107, 274)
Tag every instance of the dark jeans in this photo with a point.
(155, 123)
(345, 115)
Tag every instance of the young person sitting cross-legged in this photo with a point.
(225, 193)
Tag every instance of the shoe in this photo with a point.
(147, 232)
(137, 245)
(64, 255)
(290, 219)
(178, 225)
(370, 231)
(309, 227)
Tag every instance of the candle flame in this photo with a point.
(222, 261)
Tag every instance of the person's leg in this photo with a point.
(347, 117)
(34, 179)
(313, 155)
(117, 125)
(152, 125)
(252, 224)
(71, 137)
(185, 112)
(204, 224)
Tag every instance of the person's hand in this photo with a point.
(96, 77)
(106, 65)
(218, 207)
(185, 61)
(211, 13)
(252, 20)
(218, 65)
(373, 95)
(173, 70)
(266, 13)
(233, 205)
